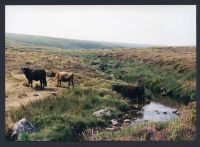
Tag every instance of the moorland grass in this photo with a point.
(62, 118)
(68, 117)
(153, 77)
(179, 129)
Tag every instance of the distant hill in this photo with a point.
(53, 42)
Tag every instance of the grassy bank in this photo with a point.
(156, 73)
(181, 129)
(64, 118)
(68, 115)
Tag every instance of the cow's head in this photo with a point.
(25, 70)
(116, 87)
(53, 74)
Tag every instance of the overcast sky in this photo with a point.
(158, 25)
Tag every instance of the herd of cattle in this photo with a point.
(40, 75)
(129, 91)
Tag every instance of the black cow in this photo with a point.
(131, 92)
(35, 74)
(184, 98)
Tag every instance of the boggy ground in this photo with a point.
(62, 114)
(169, 68)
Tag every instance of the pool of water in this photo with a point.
(155, 111)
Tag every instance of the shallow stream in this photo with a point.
(156, 111)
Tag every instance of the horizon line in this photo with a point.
(153, 45)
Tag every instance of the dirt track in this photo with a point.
(17, 93)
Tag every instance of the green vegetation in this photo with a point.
(24, 137)
(181, 129)
(65, 117)
(154, 77)
(68, 116)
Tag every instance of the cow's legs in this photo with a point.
(43, 83)
(143, 100)
(139, 102)
(69, 83)
(41, 87)
(57, 83)
(31, 83)
(72, 83)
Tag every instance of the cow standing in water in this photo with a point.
(131, 92)
(63, 77)
(35, 74)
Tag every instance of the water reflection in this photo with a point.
(155, 111)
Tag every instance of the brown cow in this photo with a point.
(63, 77)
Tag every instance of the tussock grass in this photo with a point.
(180, 129)
(65, 117)
(68, 116)
(154, 73)
(22, 94)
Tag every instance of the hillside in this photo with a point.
(66, 43)
(67, 114)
